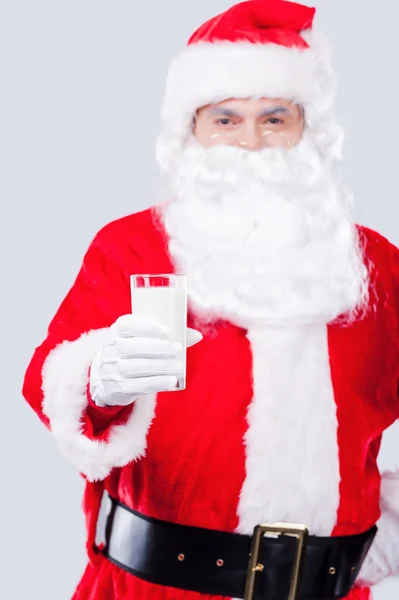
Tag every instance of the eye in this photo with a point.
(224, 121)
(274, 121)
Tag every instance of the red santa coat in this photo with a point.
(237, 447)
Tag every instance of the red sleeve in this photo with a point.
(56, 381)
(98, 296)
(99, 418)
(382, 560)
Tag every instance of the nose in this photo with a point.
(250, 138)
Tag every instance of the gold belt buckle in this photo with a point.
(300, 532)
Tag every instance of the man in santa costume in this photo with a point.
(296, 375)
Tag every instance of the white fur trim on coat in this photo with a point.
(292, 458)
(65, 378)
(383, 558)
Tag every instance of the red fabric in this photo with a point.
(100, 294)
(194, 465)
(365, 388)
(99, 417)
(259, 22)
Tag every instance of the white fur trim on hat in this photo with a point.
(65, 378)
(205, 73)
(383, 558)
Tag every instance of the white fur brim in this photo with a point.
(64, 383)
(383, 558)
(205, 73)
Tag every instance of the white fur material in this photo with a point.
(65, 379)
(383, 558)
(204, 73)
(292, 459)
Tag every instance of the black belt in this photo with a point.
(287, 566)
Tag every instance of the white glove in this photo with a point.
(141, 359)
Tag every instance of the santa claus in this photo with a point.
(260, 479)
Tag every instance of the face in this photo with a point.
(250, 123)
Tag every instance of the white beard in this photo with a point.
(264, 237)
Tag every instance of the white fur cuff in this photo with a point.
(383, 559)
(65, 379)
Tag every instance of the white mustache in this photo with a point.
(224, 166)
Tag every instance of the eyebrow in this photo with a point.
(228, 112)
(273, 110)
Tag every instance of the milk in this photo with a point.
(166, 306)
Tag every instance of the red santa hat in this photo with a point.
(258, 48)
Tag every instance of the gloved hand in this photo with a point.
(141, 359)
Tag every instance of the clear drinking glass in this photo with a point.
(163, 299)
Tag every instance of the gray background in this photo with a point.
(82, 82)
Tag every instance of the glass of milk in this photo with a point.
(163, 299)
